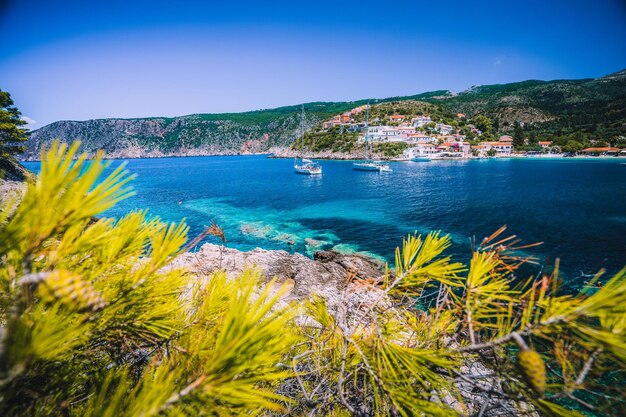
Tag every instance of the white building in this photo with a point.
(421, 138)
(389, 133)
(444, 129)
(420, 121)
(501, 148)
(422, 149)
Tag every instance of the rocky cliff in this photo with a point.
(193, 135)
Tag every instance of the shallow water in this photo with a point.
(577, 207)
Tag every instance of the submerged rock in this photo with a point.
(258, 231)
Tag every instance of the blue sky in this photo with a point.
(78, 60)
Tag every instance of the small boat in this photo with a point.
(302, 165)
(307, 167)
(421, 159)
(623, 164)
(369, 164)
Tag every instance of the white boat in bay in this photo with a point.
(307, 167)
(368, 164)
(302, 165)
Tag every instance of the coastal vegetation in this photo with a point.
(12, 135)
(96, 320)
(335, 140)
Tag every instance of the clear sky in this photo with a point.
(86, 59)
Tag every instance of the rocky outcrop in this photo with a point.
(339, 279)
(13, 178)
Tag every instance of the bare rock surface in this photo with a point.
(328, 269)
(335, 277)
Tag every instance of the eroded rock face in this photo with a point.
(335, 277)
(328, 269)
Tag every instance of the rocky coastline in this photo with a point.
(287, 152)
(344, 281)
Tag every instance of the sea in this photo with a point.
(576, 207)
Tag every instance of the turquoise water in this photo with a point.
(577, 207)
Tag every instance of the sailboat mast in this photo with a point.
(302, 128)
(367, 119)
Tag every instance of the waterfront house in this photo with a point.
(545, 145)
(501, 148)
(422, 149)
(455, 147)
(605, 151)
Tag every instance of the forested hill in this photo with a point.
(591, 106)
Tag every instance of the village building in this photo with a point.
(421, 137)
(501, 148)
(444, 129)
(420, 121)
(608, 151)
(421, 150)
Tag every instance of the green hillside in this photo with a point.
(587, 111)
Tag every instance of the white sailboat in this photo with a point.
(369, 164)
(302, 165)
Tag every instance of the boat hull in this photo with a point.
(308, 171)
(365, 167)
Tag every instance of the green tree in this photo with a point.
(483, 123)
(572, 146)
(11, 130)
(518, 136)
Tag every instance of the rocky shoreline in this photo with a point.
(340, 279)
(139, 153)
(286, 152)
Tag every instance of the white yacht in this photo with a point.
(302, 165)
(368, 164)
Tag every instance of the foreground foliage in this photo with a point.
(97, 322)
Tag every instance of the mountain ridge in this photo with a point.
(592, 104)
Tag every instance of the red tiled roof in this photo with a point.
(606, 149)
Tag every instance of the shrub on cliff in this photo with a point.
(96, 323)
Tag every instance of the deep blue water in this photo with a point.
(577, 207)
